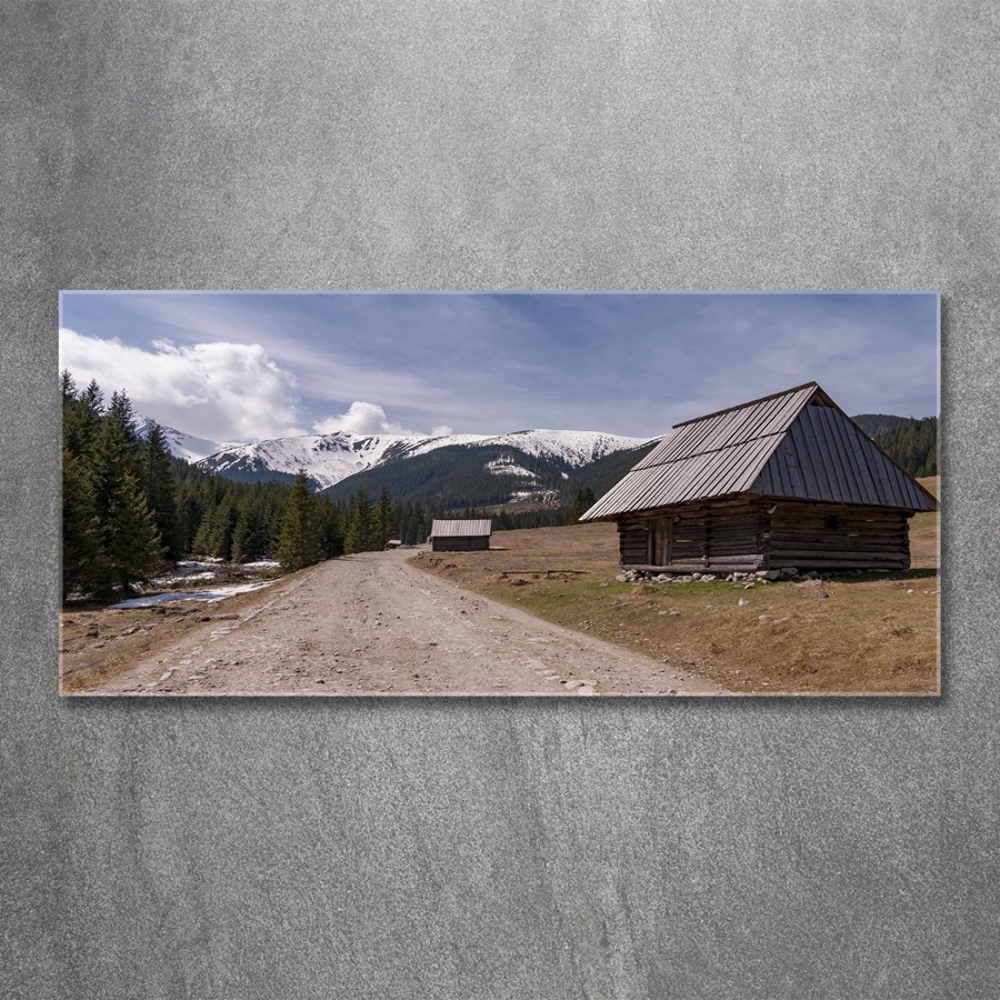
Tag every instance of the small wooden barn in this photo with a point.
(460, 536)
(784, 481)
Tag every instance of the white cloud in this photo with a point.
(362, 418)
(220, 391)
(442, 431)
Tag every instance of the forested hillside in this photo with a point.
(874, 424)
(912, 444)
(459, 477)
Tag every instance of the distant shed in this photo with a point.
(460, 536)
(788, 480)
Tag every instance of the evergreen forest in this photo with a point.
(131, 510)
(912, 444)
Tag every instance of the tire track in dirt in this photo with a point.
(371, 624)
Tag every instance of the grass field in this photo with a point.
(875, 633)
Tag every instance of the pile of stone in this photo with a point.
(763, 576)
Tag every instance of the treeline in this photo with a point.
(912, 444)
(131, 510)
(547, 517)
(874, 424)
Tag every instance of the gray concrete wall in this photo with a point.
(273, 849)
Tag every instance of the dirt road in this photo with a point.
(371, 624)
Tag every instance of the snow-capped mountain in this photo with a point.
(187, 446)
(330, 458)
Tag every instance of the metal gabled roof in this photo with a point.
(797, 444)
(460, 529)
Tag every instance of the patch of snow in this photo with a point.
(262, 564)
(211, 596)
(165, 581)
(534, 495)
(507, 466)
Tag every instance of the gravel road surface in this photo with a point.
(371, 624)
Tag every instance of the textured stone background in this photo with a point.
(834, 848)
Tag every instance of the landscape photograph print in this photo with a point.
(506, 494)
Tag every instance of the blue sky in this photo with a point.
(242, 365)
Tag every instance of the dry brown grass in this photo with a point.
(874, 634)
(925, 531)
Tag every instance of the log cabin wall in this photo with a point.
(714, 536)
(633, 540)
(460, 543)
(838, 536)
(743, 534)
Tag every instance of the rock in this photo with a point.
(743, 602)
(739, 576)
(92, 632)
(791, 571)
(708, 577)
(769, 574)
(621, 578)
(750, 586)
(806, 584)
(662, 578)
(821, 593)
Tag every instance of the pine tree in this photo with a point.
(82, 566)
(250, 536)
(300, 542)
(81, 416)
(222, 527)
(383, 522)
(129, 540)
(161, 493)
(93, 397)
(332, 530)
(359, 523)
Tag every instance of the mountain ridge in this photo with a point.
(330, 458)
(538, 466)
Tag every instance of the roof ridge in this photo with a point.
(751, 402)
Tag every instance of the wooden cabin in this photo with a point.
(784, 481)
(460, 536)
